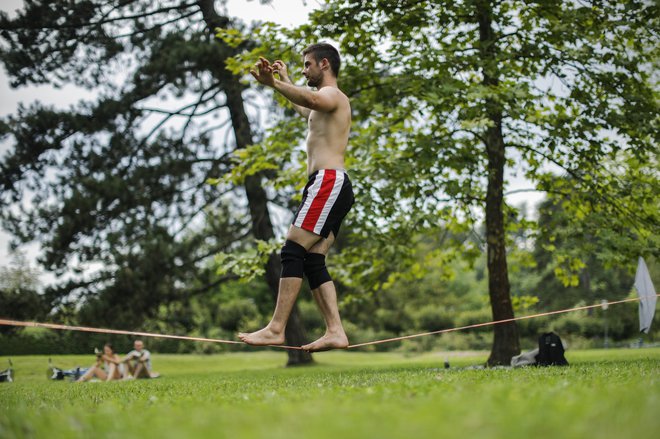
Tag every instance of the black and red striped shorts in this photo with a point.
(327, 198)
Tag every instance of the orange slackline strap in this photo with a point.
(496, 322)
(122, 332)
(217, 340)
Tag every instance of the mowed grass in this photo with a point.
(603, 394)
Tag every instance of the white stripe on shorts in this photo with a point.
(311, 194)
(339, 181)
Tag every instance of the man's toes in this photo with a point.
(308, 347)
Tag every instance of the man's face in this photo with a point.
(138, 345)
(312, 71)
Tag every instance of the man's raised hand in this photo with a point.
(263, 72)
(280, 68)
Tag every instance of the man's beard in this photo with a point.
(314, 81)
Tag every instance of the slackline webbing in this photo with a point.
(7, 322)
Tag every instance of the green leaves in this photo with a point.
(268, 39)
(249, 263)
(568, 269)
(567, 89)
(277, 152)
(233, 37)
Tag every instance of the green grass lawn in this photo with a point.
(603, 394)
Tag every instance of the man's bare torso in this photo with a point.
(328, 136)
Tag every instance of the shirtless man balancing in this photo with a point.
(327, 197)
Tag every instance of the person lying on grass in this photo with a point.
(107, 367)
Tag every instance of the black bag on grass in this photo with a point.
(551, 351)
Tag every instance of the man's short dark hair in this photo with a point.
(324, 50)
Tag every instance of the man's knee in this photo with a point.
(293, 259)
(315, 270)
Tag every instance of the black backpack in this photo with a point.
(551, 351)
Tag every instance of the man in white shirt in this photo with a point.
(138, 361)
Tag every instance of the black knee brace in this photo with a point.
(315, 270)
(293, 257)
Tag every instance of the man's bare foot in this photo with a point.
(328, 342)
(263, 337)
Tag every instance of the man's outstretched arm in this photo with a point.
(280, 68)
(324, 100)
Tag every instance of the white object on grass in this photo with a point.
(647, 296)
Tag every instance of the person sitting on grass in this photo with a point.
(138, 362)
(107, 367)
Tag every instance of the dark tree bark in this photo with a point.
(262, 227)
(506, 342)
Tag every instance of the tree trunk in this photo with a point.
(506, 343)
(262, 227)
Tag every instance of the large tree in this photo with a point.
(449, 95)
(119, 183)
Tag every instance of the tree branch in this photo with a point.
(143, 31)
(196, 105)
(103, 21)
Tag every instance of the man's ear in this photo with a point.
(325, 64)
